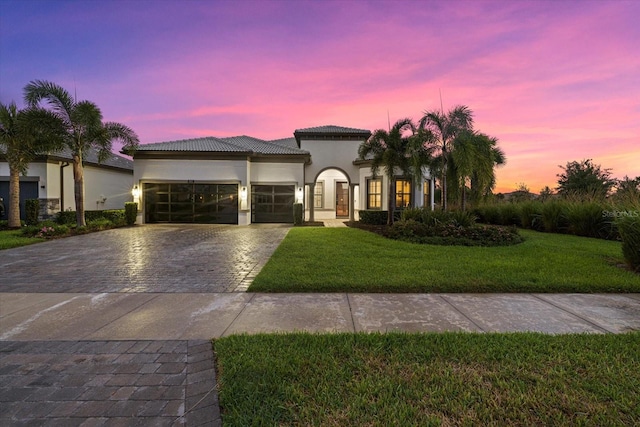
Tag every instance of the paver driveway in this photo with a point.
(149, 258)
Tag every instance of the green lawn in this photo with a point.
(13, 239)
(314, 259)
(429, 379)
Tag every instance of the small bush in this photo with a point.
(66, 217)
(629, 229)
(298, 216)
(32, 210)
(45, 229)
(488, 214)
(373, 217)
(99, 224)
(509, 214)
(130, 212)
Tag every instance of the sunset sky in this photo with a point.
(554, 81)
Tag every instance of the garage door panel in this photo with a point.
(191, 203)
(272, 203)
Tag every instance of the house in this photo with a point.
(244, 180)
(50, 179)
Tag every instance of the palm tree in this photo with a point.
(473, 159)
(23, 135)
(394, 150)
(85, 130)
(446, 128)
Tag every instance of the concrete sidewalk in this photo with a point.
(126, 359)
(196, 316)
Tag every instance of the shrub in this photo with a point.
(99, 224)
(130, 212)
(32, 210)
(530, 215)
(66, 217)
(588, 219)
(45, 229)
(451, 233)
(488, 214)
(629, 229)
(509, 214)
(553, 217)
(373, 217)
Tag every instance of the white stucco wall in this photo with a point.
(112, 186)
(332, 154)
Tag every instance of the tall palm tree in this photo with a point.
(473, 159)
(395, 150)
(85, 130)
(23, 135)
(446, 127)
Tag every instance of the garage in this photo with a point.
(272, 203)
(28, 190)
(202, 203)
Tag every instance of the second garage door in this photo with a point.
(272, 203)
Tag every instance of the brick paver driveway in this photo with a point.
(149, 258)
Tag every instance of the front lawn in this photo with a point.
(351, 260)
(429, 379)
(14, 238)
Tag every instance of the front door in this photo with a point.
(342, 199)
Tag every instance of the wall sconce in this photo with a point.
(299, 195)
(135, 193)
(243, 194)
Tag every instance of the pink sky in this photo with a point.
(554, 81)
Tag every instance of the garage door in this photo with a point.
(28, 190)
(191, 203)
(272, 203)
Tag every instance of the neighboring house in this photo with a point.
(244, 180)
(50, 179)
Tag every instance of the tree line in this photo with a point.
(54, 120)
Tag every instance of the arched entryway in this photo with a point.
(331, 196)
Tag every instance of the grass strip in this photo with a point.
(519, 379)
(14, 238)
(314, 259)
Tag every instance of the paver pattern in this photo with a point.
(111, 383)
(150, 258)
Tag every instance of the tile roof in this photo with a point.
(332, 129)
(233, 144)
(91, 157)
(206, 144)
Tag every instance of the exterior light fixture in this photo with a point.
(243, 194)
(299, 195)
(135, 192)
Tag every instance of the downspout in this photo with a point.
(62, 166)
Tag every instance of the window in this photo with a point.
(403, 193)
(318, 195)
(426, 187)
(374, 193)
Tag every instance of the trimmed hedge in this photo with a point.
(298, 217)
(374, 217)
(117, 216)
(130, 212)
(32, 210)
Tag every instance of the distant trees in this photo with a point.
(23, 135)
(584, 178)
(83, 130)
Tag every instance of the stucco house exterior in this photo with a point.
(50, 179)
(245, 180)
